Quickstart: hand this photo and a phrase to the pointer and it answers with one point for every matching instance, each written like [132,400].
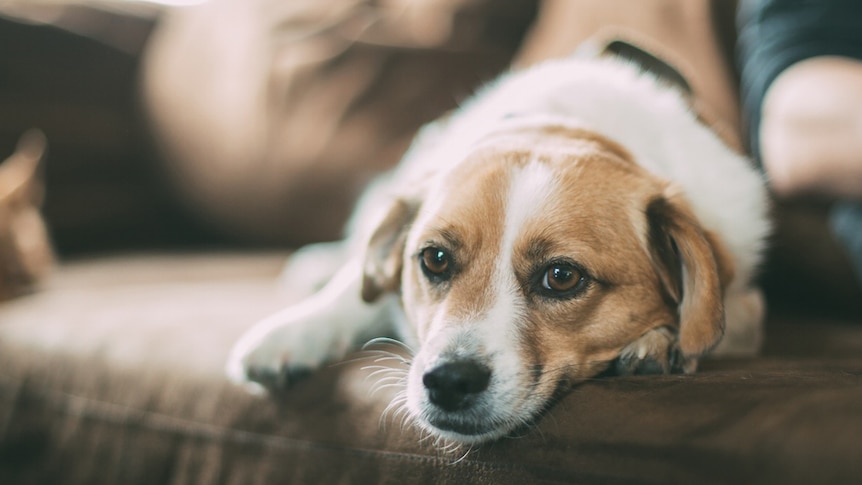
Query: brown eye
[435,261]
[561,277]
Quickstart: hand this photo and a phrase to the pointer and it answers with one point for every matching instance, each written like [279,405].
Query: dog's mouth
[481,424]
[468,431]
[477,430]
[462,426]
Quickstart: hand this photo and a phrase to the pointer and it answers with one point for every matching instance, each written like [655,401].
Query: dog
[570,220]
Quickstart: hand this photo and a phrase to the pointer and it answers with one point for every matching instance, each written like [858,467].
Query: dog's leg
[744,312]
[309,268]
[300,338]
[655,352]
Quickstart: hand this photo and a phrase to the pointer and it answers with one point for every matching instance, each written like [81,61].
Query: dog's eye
[562,278]
[435,262]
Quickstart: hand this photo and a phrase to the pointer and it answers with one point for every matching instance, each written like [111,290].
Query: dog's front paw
[263,372]
[271,358]
[655,352]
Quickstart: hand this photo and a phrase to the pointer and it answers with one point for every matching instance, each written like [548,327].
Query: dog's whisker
[385,387]
[396,358]
[381,379]
[372,358]
[381,376]
[400,417]
[425,436]
[403,414]
[386,353]
[388,382]
[390,385]
[383,370]
[394,408]
[391,407]
[391,363]
[375,377]
[376,368]
[463,456]
[451,447]
[388,341]
[405,419]
[375,365]
[393,377]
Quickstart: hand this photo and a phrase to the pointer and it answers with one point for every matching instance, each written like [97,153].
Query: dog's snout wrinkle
[453,385]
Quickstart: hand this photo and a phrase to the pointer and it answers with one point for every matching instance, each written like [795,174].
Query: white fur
[496,331]
[609,97]
[651,121]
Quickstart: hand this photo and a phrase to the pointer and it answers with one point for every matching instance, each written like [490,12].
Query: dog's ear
[382,266]
[693,269]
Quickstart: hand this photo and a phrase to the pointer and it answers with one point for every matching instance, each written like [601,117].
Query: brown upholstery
[113,374]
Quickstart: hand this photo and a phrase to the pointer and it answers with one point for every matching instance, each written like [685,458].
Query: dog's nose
[451,386]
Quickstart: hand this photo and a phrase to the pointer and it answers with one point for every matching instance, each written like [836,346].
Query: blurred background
[193,124]
[230,123]
[71,70]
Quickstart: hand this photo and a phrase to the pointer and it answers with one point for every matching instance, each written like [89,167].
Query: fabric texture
[113,374]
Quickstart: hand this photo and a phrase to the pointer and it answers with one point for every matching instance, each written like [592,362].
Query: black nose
[452,386]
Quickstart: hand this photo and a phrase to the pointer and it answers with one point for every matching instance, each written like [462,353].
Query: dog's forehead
[576,189]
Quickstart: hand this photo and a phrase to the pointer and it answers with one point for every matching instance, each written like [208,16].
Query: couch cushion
[113,374]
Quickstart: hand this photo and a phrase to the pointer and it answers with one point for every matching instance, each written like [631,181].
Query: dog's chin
[472,427]
[463,431]
[479,424]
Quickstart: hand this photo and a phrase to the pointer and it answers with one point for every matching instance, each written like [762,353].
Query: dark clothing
[775,34]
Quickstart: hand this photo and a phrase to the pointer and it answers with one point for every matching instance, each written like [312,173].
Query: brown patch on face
[593,219]
[467,224]
[592,225]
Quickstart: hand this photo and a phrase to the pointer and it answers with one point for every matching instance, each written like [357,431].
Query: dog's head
[529,266]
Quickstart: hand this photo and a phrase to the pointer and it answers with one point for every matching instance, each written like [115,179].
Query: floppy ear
[693,269]
[382,266]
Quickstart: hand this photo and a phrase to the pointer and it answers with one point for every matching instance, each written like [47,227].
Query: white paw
[299,339]
[276,352]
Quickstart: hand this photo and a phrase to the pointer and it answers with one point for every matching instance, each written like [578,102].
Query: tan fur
[529,252]
[478,203]
[576,338]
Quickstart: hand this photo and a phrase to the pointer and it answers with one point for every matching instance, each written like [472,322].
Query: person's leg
[801,86]
[801,66]
[811,129]
[688,35]
[273,115]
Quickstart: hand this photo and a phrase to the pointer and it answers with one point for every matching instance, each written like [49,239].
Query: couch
[111,367]
[113,373]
